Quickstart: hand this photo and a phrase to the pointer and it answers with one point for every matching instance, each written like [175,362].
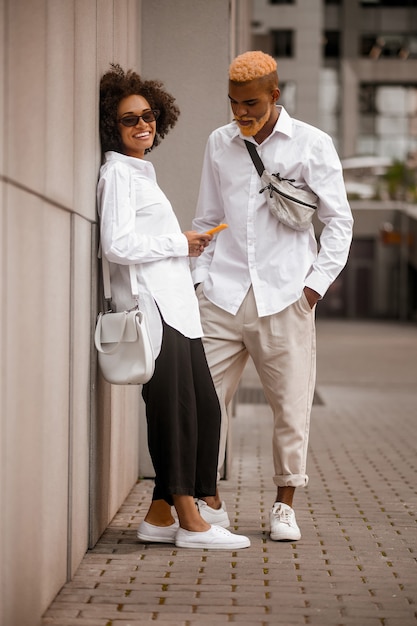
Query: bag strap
[132,268]
[106,279]
[257,161]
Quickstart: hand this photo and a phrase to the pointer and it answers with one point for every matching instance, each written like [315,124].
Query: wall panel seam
[70,401]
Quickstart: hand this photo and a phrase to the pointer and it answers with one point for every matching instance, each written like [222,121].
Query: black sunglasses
[133,120]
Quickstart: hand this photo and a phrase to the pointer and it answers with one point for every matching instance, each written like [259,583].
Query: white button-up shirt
[138,226]
[256,249]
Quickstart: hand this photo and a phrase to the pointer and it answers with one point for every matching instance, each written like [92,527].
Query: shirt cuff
[199,275]
[318,283]
[180,245]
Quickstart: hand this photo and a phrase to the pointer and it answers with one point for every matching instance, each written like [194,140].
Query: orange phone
[217,229]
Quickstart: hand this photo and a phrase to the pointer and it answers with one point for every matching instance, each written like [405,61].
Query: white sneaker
[218,517]
[283,524]
[157,534]
[216,538]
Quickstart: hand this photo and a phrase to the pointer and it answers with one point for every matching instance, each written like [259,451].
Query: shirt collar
[139,164]
[283,125]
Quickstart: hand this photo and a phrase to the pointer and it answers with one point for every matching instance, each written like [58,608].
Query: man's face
[253,106]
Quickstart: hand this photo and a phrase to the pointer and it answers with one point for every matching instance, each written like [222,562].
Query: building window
[401,45]
[329,102]
[388,120]
[331,44]
[281,1]
[282,43]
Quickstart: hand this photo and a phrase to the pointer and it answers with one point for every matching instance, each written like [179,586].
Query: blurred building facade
[350,68]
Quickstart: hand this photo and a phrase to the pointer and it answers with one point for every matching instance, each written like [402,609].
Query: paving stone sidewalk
[356,562]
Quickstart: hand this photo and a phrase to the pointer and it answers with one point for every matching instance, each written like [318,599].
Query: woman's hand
[197,242]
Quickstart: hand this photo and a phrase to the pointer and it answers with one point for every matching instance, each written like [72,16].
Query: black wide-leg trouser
[183,417]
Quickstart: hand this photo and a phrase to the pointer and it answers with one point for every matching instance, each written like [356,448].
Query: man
[258,282]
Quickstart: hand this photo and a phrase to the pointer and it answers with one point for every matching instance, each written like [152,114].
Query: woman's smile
[142,135]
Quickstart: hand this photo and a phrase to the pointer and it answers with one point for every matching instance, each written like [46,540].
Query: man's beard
[255,126]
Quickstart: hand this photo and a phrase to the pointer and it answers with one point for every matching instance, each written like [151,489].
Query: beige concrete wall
[52,424]
[192,40]
[70,443]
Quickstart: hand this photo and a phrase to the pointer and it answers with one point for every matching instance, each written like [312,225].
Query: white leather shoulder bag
[125,353]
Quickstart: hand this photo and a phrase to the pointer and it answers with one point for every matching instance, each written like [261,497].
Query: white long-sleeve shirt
[138,226]
[256,249]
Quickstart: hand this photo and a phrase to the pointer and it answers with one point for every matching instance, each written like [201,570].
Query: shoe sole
[153,539]
[281,538]
[213,546]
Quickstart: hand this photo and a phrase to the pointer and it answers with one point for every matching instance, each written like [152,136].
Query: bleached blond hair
[251,65]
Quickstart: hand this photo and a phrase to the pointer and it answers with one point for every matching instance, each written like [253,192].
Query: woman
[138,226]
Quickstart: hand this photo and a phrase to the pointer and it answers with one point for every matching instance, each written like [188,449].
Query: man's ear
[275,95]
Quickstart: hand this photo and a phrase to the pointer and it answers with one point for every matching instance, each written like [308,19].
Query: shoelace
[284,515]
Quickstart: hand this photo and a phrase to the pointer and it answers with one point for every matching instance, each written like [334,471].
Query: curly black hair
[117,84]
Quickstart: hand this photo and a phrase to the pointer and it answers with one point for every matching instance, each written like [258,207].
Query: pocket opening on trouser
[304,303]
[199,289]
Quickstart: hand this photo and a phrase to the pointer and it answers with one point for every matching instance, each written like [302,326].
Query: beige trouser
[283,349]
